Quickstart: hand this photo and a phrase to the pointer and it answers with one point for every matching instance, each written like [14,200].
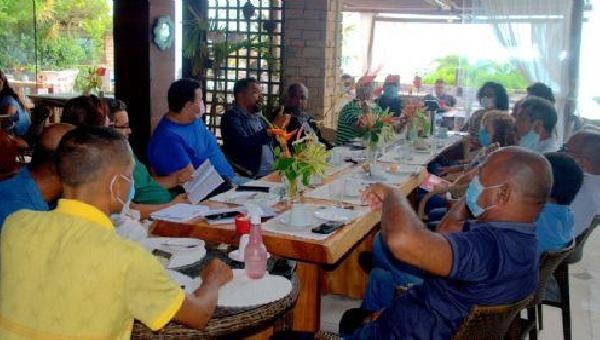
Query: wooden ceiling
[407,6]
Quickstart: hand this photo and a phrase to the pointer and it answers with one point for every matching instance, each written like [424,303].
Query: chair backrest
[580,240]
[549,261]
[490,322]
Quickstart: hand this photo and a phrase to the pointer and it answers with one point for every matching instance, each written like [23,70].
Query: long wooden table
[323,266]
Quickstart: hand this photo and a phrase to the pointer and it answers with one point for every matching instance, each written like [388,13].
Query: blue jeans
[386,275]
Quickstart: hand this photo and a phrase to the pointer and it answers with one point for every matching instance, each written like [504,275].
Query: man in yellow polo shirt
[66,274]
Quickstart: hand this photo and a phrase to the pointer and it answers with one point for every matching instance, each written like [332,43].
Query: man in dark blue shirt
[494,262]
[247,138]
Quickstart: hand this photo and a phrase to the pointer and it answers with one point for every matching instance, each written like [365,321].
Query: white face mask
[130,193]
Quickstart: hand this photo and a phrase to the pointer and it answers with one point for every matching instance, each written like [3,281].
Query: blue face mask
[530,141]
[472,196]
[484,137]
[131,194]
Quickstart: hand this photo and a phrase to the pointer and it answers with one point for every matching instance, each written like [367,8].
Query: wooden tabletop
[327,251]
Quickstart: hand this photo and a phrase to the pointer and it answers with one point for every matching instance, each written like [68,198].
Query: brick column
[162,64]
[312,52]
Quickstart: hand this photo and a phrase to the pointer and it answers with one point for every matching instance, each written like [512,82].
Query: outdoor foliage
[476,74]
[70,33]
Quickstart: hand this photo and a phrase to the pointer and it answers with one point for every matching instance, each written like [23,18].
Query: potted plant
[307,158]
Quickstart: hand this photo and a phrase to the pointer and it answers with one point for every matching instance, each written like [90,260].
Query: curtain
[536,34]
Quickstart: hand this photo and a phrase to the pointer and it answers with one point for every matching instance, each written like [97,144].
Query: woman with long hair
[13,113]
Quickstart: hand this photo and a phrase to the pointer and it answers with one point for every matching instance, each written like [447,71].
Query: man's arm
[409,240]
[232,130]
[454,219]
[197,309]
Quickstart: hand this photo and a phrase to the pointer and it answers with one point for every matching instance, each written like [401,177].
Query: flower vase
[372,149]
[291,187]
[411,130]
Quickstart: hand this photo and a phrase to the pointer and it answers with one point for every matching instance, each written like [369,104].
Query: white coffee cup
[337,155]
[300,215]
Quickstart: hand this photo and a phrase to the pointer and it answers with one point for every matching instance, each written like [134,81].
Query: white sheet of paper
[180,212]
[205,180]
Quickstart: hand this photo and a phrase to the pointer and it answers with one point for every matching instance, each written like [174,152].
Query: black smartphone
[222,216]
[251,188]
[327,227]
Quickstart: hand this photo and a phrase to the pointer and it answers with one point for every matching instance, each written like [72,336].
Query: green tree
[70,32]
[476,74]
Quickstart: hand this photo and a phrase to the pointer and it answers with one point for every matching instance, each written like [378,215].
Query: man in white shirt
[584,147]
[536,121]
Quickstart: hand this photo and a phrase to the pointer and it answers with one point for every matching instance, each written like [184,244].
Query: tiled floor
[585,301]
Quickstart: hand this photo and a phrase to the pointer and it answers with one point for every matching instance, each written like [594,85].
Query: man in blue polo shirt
[494,262]
[35,186]
[181,138]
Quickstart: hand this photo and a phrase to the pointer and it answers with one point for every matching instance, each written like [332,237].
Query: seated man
[95,283]
[554,226]
[296,101]
[8,156]
[35,186]
[492,261]
[348,119]
[247,138]
[181,139]
[390,98]
[584,147]
[148,190]
[536,121]
[446,101]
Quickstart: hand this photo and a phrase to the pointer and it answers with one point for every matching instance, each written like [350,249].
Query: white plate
[336,214]
[423,151]
[285,219]
[245,292]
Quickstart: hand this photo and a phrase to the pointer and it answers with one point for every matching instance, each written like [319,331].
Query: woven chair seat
[489,322]
[224,321]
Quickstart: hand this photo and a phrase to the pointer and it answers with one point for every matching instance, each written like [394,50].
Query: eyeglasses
[119,127]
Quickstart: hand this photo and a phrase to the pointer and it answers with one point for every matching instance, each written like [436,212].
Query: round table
[225,321]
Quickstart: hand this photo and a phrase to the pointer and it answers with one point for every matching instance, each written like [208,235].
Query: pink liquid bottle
[255,254]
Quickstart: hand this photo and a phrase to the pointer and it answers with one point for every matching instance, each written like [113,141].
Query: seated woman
[491,96]
[17,118]
[497,130]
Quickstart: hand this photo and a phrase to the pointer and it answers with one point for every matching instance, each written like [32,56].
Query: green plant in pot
[308,158]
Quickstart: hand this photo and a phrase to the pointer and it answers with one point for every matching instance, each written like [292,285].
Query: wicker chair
[489,322]
[226,321]
[549,261]
[562,278]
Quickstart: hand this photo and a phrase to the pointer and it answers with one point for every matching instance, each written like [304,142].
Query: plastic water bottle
[255,254]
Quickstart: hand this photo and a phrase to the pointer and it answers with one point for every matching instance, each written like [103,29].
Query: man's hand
[181,198]
[282,119]
[454,219]
[375,194]
[216,272]
[184,175]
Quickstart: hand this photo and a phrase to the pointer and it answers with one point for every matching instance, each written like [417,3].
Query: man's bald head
[584,146]
[87,153]
[520,182]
